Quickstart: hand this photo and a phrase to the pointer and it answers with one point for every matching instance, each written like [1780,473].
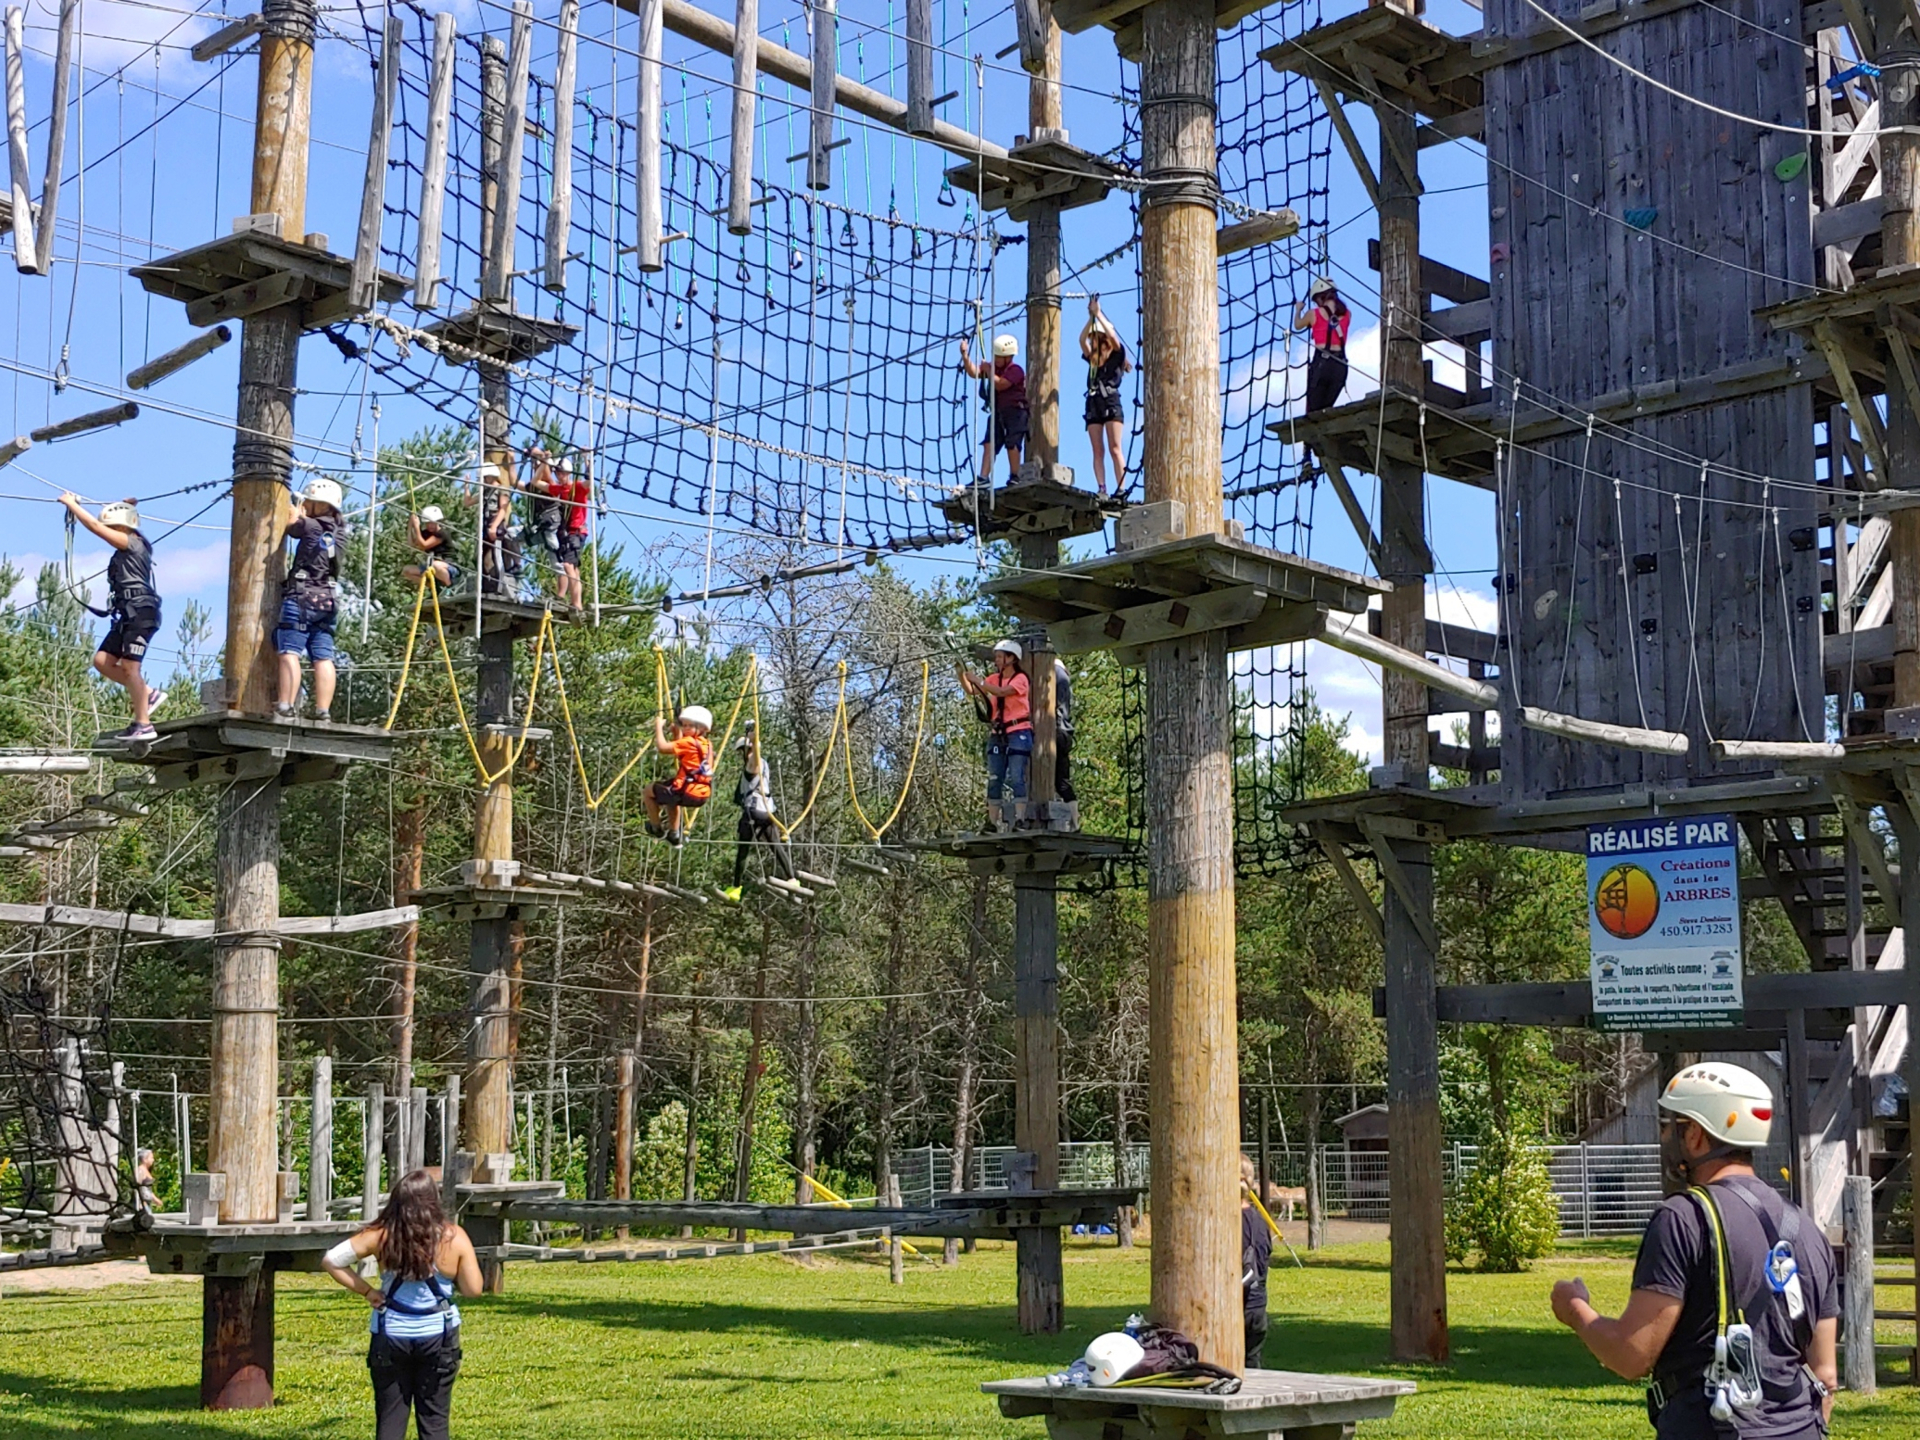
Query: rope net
[60,1120]
[798,382]
[1274,144]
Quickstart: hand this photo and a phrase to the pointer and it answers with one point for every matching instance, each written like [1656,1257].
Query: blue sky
[158,161]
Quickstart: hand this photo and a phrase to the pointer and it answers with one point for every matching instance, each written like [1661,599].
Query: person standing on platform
[573,495]
[135,608]
[1106,361]
[754,795]
[310,602]
[500,552]
[414,1355]
[1004,388]
[146,1195]
[1734,1313]
[1329,319]
[1007,693]
[1256,1254]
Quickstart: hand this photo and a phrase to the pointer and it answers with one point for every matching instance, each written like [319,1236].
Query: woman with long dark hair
[1327,316]
[414,1355]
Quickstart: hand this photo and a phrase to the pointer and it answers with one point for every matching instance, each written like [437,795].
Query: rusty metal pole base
[236,1341]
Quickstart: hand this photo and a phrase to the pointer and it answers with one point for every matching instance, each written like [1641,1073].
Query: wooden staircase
[1806,870]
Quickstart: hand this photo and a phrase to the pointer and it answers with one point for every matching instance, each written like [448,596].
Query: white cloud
[1276,380]
[198,572]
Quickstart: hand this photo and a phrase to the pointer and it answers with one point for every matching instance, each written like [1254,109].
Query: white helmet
[120,512]
[431,515]
[1111,1356]
[1320,286]
[1005,346]
[491,475]
[1010,647]
[325,491]
[1730,1103]
[696,715]
[563,466]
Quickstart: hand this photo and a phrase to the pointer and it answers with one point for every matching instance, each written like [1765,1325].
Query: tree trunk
[972,1002]
[410,836]
[750,1077]
[1123,1223]
[885,1101]
[1316,1182]
[553,1043]
[690,1180]
[806,1059]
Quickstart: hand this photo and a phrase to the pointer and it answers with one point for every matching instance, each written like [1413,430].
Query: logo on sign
[1626,902]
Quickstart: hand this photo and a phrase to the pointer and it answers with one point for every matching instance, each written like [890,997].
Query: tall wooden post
[491,949]
[623,1073]
[320,1141]
[1194,1067]
[1044,116]
[1415,1201]
[236,1360]
[1036,1125]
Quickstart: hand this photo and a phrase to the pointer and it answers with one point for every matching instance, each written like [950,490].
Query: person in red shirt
[1007,693]
[1004,388]
[573,495]
[1327,316]
[692,784]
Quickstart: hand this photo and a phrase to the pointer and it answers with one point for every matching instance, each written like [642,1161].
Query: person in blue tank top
[414,1355]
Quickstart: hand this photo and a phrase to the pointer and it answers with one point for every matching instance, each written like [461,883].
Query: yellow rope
[406,663]
[906,785]
[514,747]
[833,734]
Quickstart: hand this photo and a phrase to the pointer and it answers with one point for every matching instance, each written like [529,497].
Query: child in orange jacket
[692,785]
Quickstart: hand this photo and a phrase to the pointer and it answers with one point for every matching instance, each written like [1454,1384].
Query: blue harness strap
[442,1303]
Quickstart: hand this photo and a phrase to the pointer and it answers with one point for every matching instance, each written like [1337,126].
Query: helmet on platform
[1111,1356]
[432,515]
[1729,1102]
[325,492]
[120,513]
[1320,286]
[696,715]
[1010,647]
[1005,347]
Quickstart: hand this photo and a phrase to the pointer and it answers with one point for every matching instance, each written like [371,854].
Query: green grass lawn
[768,1346]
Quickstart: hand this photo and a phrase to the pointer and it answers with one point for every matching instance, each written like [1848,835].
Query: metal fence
[1603,1189]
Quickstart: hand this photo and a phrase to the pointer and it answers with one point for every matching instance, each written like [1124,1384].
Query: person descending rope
[414,1354]
[427,532]
[1003,388]
[573,496]
[1010,738]
[134,608]
[1327,316]
[692,785]
[1734,1311]
[753,793]
[1106,361]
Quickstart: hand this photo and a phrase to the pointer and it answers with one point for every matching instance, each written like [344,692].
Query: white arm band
[341,1256]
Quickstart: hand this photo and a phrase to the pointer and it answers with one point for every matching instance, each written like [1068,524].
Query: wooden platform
[1270,1405]
[493,332]
[488,902]
[244,274]
[521,619]
[221,746]
[1123,18]
[982,1216]
[1384,51]
[173,1247]
[1459,443]
[1128,600]
[1036,170]
[1029,507]
[1869,337]
[1027,852]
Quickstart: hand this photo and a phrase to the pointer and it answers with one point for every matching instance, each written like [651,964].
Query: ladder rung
[1893,1314]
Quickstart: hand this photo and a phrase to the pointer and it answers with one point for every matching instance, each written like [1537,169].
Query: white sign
[1663,915]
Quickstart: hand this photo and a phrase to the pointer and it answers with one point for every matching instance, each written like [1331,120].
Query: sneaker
[658,832]
[322,717]
[676,839]
[137,732]
[730,893]
[285,714]
[155,699]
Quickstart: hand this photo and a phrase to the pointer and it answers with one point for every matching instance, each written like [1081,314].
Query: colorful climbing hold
[1791,167]
[1642,216]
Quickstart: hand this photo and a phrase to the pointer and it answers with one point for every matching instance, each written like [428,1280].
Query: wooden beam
[433,179]
[1262,229]
[1872,853]
[75,917]
[1343,127]
[1442,280]
[1349,502]
[649,231]
[1657,742]
[248,298]
[365,286]
[497,274]
[1357,641]
[558,232]
[25,257]
[1863,415]
[1404,153]
[1901,348]
[1355,887]
[227,37]
[1396,877]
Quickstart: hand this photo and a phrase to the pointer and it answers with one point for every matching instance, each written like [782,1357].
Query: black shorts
[127,637]
[665,792]
[1007,432]
[1100,412]
[572,542]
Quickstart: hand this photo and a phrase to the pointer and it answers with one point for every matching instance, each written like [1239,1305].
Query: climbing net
[1275,146]
[60,1122]
[798,382]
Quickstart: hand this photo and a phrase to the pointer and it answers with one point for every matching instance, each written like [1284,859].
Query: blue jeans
[304,629]
[1008,758]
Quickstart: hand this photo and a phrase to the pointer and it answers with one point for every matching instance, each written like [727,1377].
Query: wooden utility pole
[236,1363]
[1416,1204]
[1193,1077]
[1044,121]
[623,1129]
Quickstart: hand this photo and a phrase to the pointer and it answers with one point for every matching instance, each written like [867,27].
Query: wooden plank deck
[1028,507]
[491,331]
[241,274]
[1046,169]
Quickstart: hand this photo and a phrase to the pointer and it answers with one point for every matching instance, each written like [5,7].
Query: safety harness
[1734,1380]
[442,1304]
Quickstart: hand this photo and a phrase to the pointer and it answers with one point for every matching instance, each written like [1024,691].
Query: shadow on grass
[90,1408]
[1502,1355]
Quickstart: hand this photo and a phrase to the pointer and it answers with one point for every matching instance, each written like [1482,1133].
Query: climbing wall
[1633,235]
